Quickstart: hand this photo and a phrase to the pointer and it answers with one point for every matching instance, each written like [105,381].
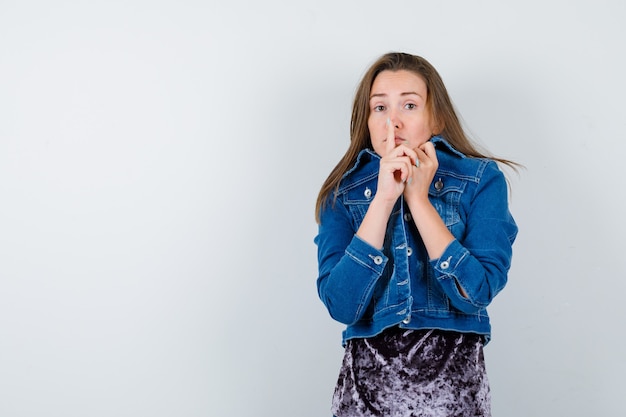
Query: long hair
[438,104]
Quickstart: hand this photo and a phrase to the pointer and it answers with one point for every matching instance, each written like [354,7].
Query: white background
[159,164]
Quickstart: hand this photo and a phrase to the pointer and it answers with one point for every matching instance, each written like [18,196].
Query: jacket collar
[442,144]
[368,155]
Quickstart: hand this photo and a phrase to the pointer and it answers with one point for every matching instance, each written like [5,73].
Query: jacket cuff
[366,255]
[450,260]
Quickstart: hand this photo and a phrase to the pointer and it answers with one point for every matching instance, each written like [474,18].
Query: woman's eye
[410,106]
[379,108]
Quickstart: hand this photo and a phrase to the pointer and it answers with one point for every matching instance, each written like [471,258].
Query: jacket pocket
[357,198]
[445,195]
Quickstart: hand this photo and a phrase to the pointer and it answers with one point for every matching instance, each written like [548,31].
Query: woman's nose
[396,122]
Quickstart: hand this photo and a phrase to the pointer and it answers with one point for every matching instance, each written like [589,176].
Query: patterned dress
[403,373]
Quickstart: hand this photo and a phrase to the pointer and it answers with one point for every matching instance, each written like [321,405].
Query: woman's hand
[396,168]
[394,173]
[422,173]
[435,234]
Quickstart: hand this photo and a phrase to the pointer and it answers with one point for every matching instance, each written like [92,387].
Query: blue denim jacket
[370,290]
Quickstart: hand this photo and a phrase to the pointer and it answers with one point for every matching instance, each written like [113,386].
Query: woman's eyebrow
[407,93]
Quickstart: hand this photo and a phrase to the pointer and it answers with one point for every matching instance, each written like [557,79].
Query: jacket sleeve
[348,266]
[479,261]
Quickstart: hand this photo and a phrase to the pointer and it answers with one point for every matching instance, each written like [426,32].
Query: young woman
[415,240]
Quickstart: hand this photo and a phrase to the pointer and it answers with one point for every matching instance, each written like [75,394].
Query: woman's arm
[473,268]
[349,267]
[350,262]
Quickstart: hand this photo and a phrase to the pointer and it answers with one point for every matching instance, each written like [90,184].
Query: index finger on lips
[391,136]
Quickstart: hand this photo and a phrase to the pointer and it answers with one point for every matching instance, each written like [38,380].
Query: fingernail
[410,180]
[388,121]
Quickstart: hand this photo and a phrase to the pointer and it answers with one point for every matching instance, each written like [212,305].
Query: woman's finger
[391,137]
[398,165]
[429,149]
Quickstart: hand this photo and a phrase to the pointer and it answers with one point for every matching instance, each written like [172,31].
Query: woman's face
[399,96]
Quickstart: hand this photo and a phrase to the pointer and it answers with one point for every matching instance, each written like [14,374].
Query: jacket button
[409,251]
[444,265]
[407,217]
[407,320]
[439,185]
[367,193]
[378,260]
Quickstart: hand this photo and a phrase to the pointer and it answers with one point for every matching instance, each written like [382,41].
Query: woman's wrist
[374,224]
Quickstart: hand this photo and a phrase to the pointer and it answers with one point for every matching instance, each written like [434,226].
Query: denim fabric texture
[370,290]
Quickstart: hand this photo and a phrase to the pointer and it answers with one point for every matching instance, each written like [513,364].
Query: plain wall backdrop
[159,165]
